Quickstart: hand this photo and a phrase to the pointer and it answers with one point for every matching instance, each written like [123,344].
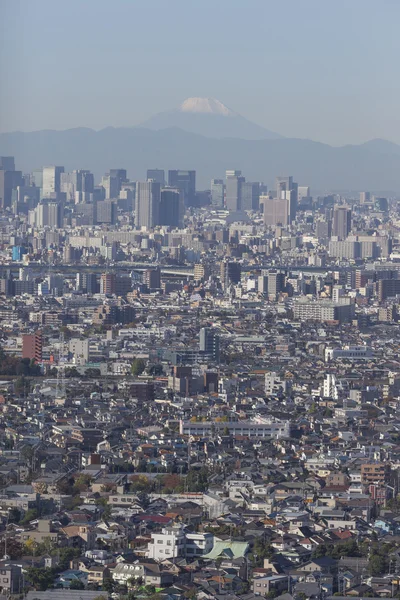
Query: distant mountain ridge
[211,118]
[373,166]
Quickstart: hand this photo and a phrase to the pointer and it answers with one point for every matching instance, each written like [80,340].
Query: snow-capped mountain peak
[206,106]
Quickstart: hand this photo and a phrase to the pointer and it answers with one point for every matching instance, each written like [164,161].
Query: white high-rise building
[51,180]
[330,388]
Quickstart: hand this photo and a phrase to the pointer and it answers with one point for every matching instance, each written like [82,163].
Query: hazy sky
[322,69]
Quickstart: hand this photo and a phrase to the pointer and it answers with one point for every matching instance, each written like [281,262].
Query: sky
[326,70]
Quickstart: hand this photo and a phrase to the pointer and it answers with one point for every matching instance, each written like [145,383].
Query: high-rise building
[287,189]
[250,195]
[201,272]
[276,210]
[77,181]
[341,225]
[7,163]
[106,212]
[217,193]
[186,182]
[209,342]
[148,197]
[365,197]
[157,175]
[51,180]
[303,191]
[152,278]
[119,176]
[32,345]
[276,283]
[230,273]
[87,283]
[108,283]
[171,208]
[234,181]
[37,178]
[9,181]
[48,214]
[110,184]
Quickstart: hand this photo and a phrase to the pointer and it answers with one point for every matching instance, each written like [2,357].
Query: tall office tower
[110,183]
[209,342]
[77,181]
[108,283]
[287,189]
[106,212]
[171,208]
[37,178]
[230,273]
[186,182]
[7,163]
[303,191]
[234,182]
[276,210]
[121,177]
[9,181]
[152,278]
[276,283]
[148,196]
[87,283]
[341,225]
[217,193]
[365,197]
[157,175]
[51,180]
[250,195]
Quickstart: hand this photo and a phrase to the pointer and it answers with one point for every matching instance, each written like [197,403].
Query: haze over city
[319,70]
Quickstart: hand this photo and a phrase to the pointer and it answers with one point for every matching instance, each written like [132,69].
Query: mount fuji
[210,118]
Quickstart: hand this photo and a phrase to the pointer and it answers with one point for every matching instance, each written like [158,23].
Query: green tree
[138,366]
[21,386]
[108,585]
[30,515]
[377,565]
[40,578]
[76,584]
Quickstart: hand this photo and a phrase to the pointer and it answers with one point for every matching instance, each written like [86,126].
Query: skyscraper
[250,195]
[287,189]
[157,175]
[7,163]
[341,224]
[276,210]
[9,181]
[209,342]
[365,197]
[234,181]
[230,273]
[217,193]
[77,185]
[186,182]
[171,207]
[148,196]
[276,283]
[51,180]
[111,186]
